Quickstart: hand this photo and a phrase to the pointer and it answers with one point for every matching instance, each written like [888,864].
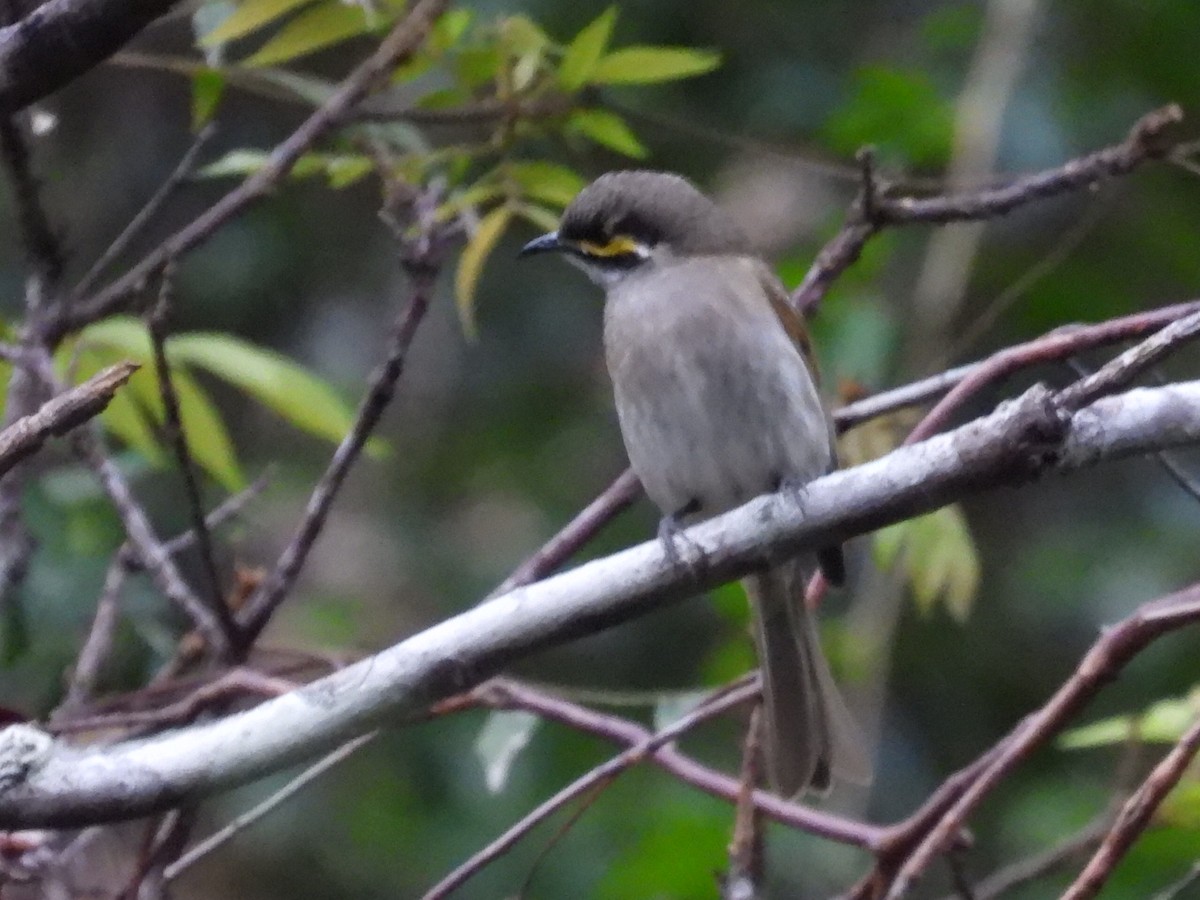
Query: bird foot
[682,551]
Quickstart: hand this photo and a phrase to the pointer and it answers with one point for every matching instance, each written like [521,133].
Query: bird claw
[796,491]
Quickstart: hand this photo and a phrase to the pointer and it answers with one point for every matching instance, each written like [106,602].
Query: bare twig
[746,847]
[1111,652]
[399,44]
[156,202]
[244,820]
[615,498]
[643,745]
[1135,816]
[1149,139]
[258,609]
[233,684]
[156,324]
[66,411]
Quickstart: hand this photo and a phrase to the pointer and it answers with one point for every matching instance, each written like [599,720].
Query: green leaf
[476,66]
[126,416]
[938,556]
[546,181]
[585,50]
[1163,723]
[249,16]
[208,86]
[345,169]
[207,440]
[470,264]
[900,112]
[274,380]
[522,35]
[648,65]
[328,23]
[240,163]
[449,29]
[606,129]
[504,735]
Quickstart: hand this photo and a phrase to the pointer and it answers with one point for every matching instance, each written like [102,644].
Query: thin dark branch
[62,39]
[145,214]
[401,42]
[43,250]
[156,324]
[746,846]
[1135,815]
[1111,652]
[259,608]
[1149,139]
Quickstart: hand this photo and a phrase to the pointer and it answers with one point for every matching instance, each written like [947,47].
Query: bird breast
[716,403]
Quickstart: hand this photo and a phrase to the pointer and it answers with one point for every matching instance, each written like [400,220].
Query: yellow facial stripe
[621,245]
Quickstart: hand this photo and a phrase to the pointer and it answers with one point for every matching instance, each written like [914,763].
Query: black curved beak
[545,244]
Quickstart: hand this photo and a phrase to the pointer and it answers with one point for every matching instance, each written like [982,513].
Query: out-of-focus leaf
[274,380]
[525,70]
[250,15]
[671,708]
[449,29]
[476,66]
[309,88]
[647,65]
[240,163]
[546,181]
[1181,807]
[938,556]
[345,169]
[607,129]
[470,264]
[503,736]
[585,50]
[207,440]
[545,219]
[125,416]
[328,23]
[522,35]
[204,19]
[208,86]
[896,111]
[1163,723]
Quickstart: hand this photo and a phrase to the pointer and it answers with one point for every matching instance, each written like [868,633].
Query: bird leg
[672,535]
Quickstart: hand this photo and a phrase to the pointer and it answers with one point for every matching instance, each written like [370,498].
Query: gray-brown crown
[654,208]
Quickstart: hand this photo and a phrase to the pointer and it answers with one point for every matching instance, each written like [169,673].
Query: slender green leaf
[1163,723]
[449,29]
[274,380]
[240,163]
[345,169]
[608,130]
[249,16]
[470,264]
[208,86]
[585,50]
[546,181]
[328,23]
[125,417]
[647,65]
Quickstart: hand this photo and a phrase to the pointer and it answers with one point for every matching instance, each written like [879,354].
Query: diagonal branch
[1025,439]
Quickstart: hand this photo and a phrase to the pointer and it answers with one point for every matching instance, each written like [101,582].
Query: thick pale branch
[1024,439]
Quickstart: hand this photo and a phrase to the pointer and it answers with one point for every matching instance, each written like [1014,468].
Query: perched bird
[717,400]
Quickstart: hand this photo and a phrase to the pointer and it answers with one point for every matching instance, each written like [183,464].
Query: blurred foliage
[495,443]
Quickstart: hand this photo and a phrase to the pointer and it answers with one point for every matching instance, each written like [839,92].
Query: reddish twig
[1111,652]
[1135,816]
[641,745]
